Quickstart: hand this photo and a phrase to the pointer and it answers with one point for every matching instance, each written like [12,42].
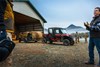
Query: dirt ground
[47,55]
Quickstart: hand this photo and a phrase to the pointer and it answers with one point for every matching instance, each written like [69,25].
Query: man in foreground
[94,29]
[6,13]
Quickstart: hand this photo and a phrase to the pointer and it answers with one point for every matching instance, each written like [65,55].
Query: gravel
[47,55]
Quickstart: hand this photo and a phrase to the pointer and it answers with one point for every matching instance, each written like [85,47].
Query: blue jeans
[92,43]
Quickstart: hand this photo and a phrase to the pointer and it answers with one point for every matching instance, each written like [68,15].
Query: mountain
[72,29]
[72,26]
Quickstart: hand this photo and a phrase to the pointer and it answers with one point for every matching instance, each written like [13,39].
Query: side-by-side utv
[56,34]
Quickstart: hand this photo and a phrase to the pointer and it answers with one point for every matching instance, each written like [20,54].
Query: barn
[27,18]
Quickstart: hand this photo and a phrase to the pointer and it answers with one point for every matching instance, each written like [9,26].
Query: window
[63,31]
[57,32]
[50,31]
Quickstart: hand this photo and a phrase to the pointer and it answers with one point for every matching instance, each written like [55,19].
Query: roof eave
[36,11]
[31,5]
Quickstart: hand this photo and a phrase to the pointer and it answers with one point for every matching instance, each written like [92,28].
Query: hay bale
[37,35]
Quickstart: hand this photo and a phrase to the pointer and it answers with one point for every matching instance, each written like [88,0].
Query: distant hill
[72,29]
[72,26]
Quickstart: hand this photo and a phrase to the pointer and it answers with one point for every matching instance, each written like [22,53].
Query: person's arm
[95,28]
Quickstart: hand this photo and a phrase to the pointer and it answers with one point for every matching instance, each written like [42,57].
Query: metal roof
[32,6]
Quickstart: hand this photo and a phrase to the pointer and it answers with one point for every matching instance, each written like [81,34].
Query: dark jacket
[95,27]
[3,5]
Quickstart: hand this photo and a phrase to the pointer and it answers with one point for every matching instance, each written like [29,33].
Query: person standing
[6,22]
[86,37]
[94,36]
[77,38]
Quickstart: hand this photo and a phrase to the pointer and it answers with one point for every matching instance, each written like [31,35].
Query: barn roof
[32,6]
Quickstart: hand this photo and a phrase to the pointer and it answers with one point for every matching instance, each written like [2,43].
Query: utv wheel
[44,40]
[66,42]
[71,41]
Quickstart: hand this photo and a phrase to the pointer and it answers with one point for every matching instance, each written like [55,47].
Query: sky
[62,13]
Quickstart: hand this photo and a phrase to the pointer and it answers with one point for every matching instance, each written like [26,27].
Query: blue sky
[62,13]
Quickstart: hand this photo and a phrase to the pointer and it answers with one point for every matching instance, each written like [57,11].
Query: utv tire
[66,42]
[71,41]
[44,40]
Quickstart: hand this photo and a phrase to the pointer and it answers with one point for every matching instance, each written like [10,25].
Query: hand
[87,25]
